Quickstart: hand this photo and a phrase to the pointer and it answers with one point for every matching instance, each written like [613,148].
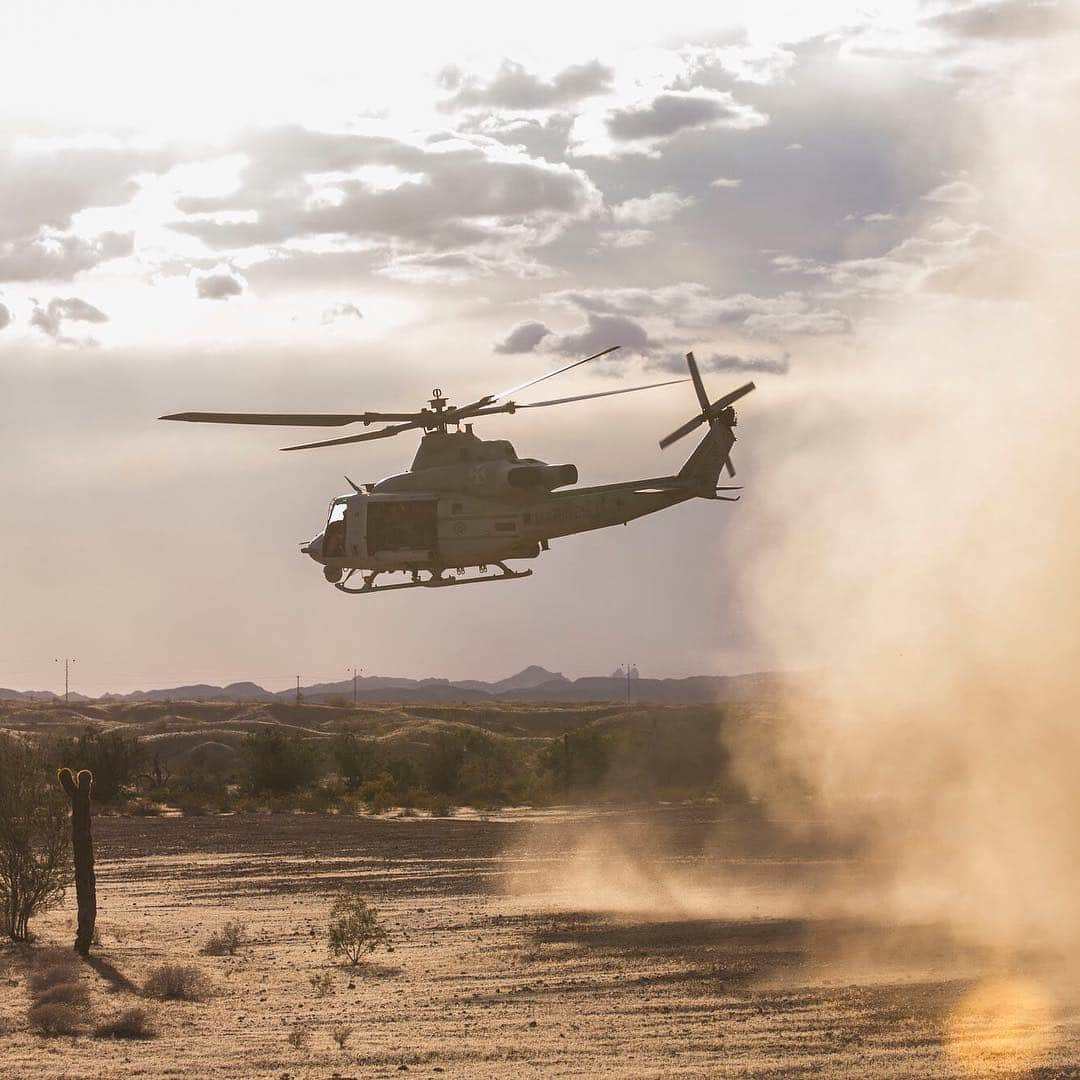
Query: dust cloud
[915,548]
[925,562]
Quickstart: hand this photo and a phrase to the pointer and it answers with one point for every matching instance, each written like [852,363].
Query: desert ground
[662,942]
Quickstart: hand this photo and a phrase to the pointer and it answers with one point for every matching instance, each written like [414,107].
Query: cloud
[955,191]
[602,331]
[721,362]
[446,197]
[55,256]
[5,317]
[1002,21]
[725,182]
[513,87]
[218,286]
[523,338]
[341,310]
[673,111]
[44,182]
[691,305]
[50,318]
[650,210]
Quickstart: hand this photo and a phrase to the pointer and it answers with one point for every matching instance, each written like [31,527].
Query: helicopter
[468,502]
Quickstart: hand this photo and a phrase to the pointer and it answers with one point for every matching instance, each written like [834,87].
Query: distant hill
[532,684]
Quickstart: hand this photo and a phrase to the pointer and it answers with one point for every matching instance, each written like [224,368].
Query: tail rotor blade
[699,386]
[679,432]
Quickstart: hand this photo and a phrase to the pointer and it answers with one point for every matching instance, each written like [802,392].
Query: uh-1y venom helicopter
[471,502]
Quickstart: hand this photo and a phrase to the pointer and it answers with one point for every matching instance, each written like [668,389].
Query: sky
[232,207]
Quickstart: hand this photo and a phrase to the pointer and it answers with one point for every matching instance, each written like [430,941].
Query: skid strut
[438,579]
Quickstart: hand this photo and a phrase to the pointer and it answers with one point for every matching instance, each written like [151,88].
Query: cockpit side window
[334,536]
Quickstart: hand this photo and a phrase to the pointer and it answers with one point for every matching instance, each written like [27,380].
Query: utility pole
[297,689]
[67,660]
[628,682]
[354,670]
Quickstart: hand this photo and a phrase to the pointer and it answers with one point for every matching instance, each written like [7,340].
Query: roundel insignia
[459,528]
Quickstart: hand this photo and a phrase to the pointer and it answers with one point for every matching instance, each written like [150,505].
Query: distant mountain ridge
[533,683]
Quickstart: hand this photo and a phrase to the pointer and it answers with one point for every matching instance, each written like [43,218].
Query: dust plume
[925,518]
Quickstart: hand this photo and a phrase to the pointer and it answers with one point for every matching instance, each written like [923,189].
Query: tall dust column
[922,558]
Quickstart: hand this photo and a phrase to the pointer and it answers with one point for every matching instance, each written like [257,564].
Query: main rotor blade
[679,432]
[699,386]
[289,419]
[489,399]
[602,393]
[367,436]
[720,404]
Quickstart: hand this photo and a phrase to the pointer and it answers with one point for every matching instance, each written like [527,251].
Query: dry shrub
[57,971]
[65,993]
[227,940]
[130,1024]
[299,1035]
[54,1020]
[341,1034]
[322,983]
[177,982]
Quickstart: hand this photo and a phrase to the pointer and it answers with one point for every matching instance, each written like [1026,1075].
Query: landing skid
[436,580]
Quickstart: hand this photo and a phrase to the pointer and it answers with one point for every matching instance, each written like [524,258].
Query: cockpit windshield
[334,536]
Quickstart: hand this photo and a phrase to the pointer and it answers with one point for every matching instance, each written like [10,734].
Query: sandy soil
[529,945]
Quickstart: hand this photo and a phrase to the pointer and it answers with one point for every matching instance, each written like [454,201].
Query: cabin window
[406,524]
[506,526]
[526,519]
[455,508]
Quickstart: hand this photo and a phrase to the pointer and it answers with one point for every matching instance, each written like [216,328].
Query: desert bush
[52,973]
[277,762]
[379,794]
[54,1019]
[355,759]
[130,1024]
[114,757]
[442,806]
[64,993]
[355,928]
[35,843]
[227,940]
[299,1035]
[341,1034]
[322,983]
[577,760]
[177,982]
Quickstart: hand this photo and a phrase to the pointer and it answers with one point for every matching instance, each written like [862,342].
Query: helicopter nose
[313,547]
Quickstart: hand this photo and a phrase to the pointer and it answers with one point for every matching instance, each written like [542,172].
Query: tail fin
[702,468]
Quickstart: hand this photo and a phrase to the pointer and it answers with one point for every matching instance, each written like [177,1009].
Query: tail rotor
[716,414]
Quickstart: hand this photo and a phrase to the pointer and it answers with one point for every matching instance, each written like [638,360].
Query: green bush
[277,762]
[355,928]
[114,757]
[35,837]
[355,759]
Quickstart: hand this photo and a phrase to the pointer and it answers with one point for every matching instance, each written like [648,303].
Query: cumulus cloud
[218,286]
[5,317]
[727,362]
[725,182]
[674,111]
[646,125]
[50,318]
[602,331]
[523,338]
[55,256]
[43,183]
[341,310]
[514,87]
[449,196]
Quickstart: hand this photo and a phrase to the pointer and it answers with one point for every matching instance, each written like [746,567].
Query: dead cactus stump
[78,791]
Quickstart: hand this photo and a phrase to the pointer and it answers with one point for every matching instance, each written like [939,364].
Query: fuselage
[469,502]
